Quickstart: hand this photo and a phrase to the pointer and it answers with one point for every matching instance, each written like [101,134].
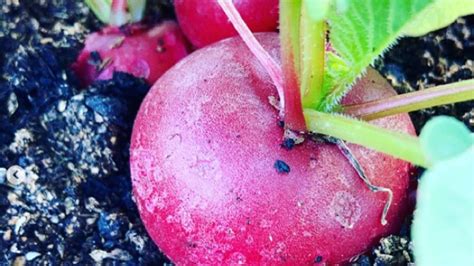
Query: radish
[204,22]
[135,49]
[217,176]
[203,154]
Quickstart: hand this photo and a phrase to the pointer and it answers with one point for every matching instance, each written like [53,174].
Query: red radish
[145,53]
[204,22]
[203,154]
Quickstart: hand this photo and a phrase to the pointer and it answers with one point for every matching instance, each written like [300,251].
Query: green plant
[359,32]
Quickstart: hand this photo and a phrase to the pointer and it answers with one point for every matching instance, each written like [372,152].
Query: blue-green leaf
[443,228]
[443,138]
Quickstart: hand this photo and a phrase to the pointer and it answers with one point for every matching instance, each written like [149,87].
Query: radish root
[345,150]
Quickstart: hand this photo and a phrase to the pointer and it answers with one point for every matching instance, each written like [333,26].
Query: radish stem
[119,15]
[313,44]
[396,144]
[413,101]
[101,9]
[136,9]
[290,13]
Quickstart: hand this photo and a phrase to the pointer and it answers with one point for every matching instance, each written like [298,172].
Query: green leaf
[443,227]
[136,9]
[367,29]
[101,9]
[444,137]
[438,15]
[335,70]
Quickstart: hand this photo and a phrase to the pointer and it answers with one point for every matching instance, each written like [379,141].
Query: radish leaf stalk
[313,45]
[359,132]
[290,12]
[413,101]
[136,9]
[101,9]
[119,15]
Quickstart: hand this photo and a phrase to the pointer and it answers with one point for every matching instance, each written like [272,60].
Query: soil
[65,191]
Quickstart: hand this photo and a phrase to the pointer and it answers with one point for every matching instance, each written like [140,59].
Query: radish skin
[204,22]
[144,53]
[203,151]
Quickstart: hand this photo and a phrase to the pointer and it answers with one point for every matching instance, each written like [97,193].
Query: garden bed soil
[65,190]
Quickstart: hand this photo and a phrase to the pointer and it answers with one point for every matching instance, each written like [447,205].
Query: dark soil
[65,191]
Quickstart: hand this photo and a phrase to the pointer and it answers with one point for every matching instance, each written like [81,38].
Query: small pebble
[32,255]
[3,175]
[12,104]
[62,106]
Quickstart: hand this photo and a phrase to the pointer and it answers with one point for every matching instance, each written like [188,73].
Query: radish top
[358,33]
[327,45]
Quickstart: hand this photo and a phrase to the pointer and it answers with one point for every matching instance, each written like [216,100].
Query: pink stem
[294,118]
[413,101]
[265,59]
[119,5]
